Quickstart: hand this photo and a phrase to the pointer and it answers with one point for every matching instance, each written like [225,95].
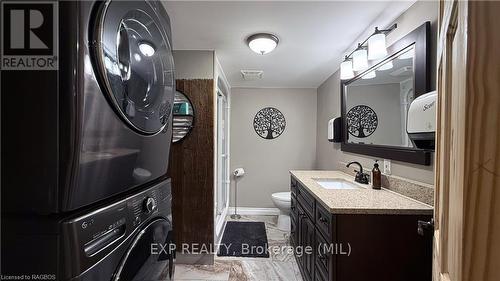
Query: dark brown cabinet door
[299,235]
[307,242]
[319,275]
[294,222]
[324,258]
[293,231]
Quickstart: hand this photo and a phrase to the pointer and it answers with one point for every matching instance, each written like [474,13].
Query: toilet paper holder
[238,172]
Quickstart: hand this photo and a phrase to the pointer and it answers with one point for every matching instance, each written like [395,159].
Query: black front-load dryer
[98,126]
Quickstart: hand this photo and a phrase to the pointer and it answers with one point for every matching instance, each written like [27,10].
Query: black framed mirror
[375,102]
[183,117]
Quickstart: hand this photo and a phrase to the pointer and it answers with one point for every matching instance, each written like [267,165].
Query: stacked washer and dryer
[85,194]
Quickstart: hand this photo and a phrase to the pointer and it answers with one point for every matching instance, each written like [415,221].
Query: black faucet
[360,176]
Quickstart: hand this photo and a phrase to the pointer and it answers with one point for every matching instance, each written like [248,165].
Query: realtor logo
[29,35]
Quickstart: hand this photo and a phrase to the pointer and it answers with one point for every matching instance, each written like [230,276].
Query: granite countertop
[363,200]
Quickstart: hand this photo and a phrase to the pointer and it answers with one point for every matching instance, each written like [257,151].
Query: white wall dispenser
[421,121]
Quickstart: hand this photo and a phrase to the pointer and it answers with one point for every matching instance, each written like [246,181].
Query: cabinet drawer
[306,200]
[324,221]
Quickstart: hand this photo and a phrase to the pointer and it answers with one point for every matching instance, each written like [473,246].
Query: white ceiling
[313,35]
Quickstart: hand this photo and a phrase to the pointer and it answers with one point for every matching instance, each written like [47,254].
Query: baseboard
[204,259]
[255,211]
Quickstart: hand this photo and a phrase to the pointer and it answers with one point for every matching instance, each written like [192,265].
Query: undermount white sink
[336,184]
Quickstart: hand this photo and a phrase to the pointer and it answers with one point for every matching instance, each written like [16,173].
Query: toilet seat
[282,196]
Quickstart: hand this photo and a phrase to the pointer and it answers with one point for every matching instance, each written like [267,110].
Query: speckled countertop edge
[358,201]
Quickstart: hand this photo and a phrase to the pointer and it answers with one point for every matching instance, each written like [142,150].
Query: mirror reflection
[183,117]
[377,103]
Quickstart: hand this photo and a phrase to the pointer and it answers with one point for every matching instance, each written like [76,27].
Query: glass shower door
[223,182]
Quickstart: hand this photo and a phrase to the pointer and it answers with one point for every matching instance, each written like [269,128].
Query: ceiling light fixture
[262,43]
[372,48]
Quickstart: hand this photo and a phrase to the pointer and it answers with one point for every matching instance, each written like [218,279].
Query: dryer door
[134,59]
[149,256]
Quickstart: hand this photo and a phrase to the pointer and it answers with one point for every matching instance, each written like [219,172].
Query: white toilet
[282,200]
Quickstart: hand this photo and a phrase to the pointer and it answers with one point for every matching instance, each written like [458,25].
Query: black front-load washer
[129,239]
[98,126]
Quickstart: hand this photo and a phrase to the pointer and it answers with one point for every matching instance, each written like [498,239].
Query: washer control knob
[149,204]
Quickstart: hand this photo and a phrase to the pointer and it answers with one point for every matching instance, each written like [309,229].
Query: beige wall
[193,64]
[267,162]
[329,155]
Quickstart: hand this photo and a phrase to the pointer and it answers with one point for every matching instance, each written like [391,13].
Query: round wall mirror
[183,117]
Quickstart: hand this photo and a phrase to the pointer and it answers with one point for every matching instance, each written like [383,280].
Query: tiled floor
[281,264]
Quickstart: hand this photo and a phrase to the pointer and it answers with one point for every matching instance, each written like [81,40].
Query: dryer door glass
[135,61]
[150,257]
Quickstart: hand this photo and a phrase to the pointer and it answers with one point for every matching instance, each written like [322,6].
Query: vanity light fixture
[346,71]
[376,45]
[372,48]
[262,43]
[360,59]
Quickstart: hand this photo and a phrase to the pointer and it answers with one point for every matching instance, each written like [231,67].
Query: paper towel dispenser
[335,130]
[421,121]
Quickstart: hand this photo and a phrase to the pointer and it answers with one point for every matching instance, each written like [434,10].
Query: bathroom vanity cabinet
[359,245]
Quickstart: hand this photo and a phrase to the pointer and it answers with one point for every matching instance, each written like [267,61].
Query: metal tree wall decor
[269,123]
[362,121]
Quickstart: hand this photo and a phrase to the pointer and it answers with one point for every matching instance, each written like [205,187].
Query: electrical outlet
[387,167]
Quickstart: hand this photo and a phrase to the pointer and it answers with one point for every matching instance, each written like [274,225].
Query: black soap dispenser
[376,176]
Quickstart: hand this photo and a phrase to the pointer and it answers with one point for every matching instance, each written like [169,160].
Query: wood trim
[192,169]
[482,144]
[420,37]
[410,155]
[467,236]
